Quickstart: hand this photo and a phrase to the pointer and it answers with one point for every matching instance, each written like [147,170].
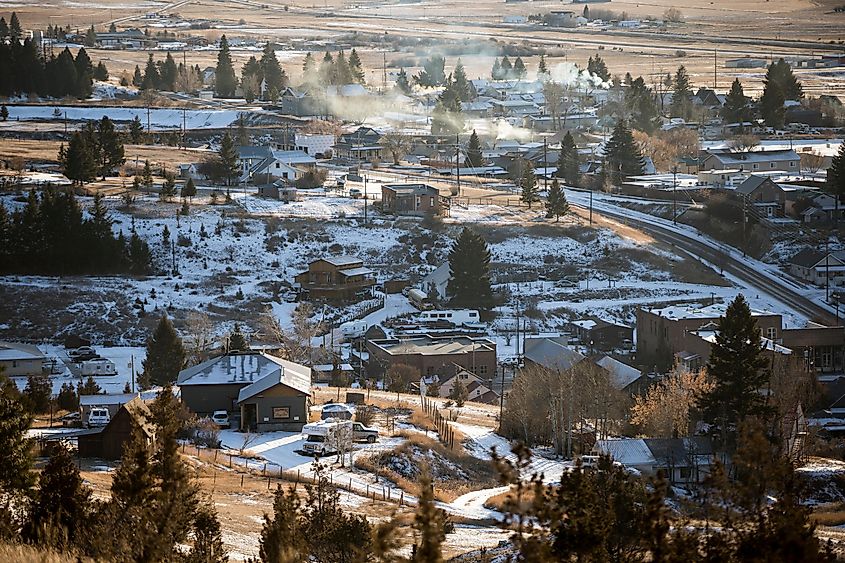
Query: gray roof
[117,399]
[727,157]
[550,354]
[342,260]
[14,351]
[680,452]
[253,152]
[807,258]
[414,189]
[294,157]
[750,184]
[356,272]
[621,374]
[627,451]
[295,376]
[238,369]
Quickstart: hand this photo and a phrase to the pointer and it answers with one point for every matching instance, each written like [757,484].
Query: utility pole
[458,161]
[591,206]
[827,270]
[365,199]
[546,167]
[148,119]
[714,69]
[675,194]
[744,220]
[502,398]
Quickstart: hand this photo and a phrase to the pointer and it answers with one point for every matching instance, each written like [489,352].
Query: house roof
[10,351]
[679,451]
[342,260]
[254,152]
[692,311]
[297,379]
[118,399]
[140,414]
[627,451]
[435,346]
[550,354]
[439,275]
[807,258]
[751,183]
[239,369]
[412,189]
[356,272]
[621,374]
[730,158]
[293,157]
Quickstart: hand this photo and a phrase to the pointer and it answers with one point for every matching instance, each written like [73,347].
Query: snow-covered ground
[159,118]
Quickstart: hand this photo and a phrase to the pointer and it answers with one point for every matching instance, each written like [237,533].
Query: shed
[278,401]
[108,442]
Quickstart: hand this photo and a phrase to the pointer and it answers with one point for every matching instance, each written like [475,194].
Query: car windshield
[316,438]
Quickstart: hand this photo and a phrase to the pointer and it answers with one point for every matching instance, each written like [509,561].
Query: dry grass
[28,554]
[502,500]
[829,515]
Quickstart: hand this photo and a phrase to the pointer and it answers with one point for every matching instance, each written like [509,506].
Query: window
[755,166]
[278,165]
[482,370]
[419,199]
[685,472]
[771,165]
[432,203]
[771,333]
[792,164]
[281,413]
[827,359]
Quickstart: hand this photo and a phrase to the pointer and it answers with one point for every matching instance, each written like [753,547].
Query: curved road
[788,292]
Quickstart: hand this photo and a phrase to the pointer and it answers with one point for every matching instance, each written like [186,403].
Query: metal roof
[295,376]
[550,354]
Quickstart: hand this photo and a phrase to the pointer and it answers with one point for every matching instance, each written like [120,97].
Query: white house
[20,360]
[313,144]
[265,163]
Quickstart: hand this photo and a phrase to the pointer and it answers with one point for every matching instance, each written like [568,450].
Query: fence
[275,474]
[444,429]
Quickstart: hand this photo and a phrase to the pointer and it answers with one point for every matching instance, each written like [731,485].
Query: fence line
[444,429]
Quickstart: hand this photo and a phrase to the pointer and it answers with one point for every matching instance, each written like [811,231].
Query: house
[325,373]
[299,104]
[623,377]
[551,354]
[126,39]
[336,278]
[264,163]
[107,442]
[279,190]
[746,62]
[110,402]
[821,208]
[767,197]
[681,460]
[671,331]
[786,160]
[313,144]
[599,334]
[708,98]
[434,355]
[362,144]
[209,74]
[817,267]
[278,401]
[434,283]
[478,390]
[562,18]
[822,347]
[189,170]
[220,384]
[410,199]
[21,360]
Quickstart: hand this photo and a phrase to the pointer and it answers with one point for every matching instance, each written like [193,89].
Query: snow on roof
[627,451]
[342,260]
[330,367]
[10,351]
[586,324]
[727,156]
[693,311]
[622,375]
[294,157]
[295,376]
[356,272]
[237,369]
[117,399]
[550,354]
[429,345]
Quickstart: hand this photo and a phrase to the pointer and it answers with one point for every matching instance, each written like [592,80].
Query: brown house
[431,355]
[766,196]
[337,278]
[410,199]
[108,442]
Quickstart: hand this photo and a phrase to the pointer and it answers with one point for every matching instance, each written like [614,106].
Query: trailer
[98,366]
[323,438]
[459,317]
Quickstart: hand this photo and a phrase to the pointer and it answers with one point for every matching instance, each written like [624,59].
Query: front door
[249,418]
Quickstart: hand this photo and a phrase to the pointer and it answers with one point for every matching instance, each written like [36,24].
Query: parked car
[99,416]
[83,353]
[72,420]
[221,419]
[337,411]
[341,182]
[361,433]
[355,193]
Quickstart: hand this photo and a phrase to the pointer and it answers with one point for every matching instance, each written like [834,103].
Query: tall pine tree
[568,163]
[736,108]
[165,354]
[474,158]
[556,204]
[469,272]
[681,95]
[225,81]
[622,154]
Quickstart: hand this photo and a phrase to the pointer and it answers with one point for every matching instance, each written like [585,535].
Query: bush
[204,432]
[365,414]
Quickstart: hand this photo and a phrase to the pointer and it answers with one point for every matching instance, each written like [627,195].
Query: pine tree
[91,387]
[15,30]
[4,29]
[542,69]
[282,539]
[327,72]
[90,37]
[16,475]
[779,85]
[165,354]
[735,109]
[459,392]
[271,70]
[530,193]
[738,369]
[79,161]
[641,104]
[781,73]
[189,190]
[474,158]
[84,74]
[168,187]
[309,67]
[355,67]
[402,82]
[469,272]
[460,82]
[67,399]
[506,68]
[136,131]
[168,74]
[519,70]
[432,524]
[228,156]
[496,73]
[110,147]
[137,78]
[623,154]
[4,112]
[37,393]
[835,182]
[447,117]
[568,163]
[208,539]
[237,341]
[151,79]
[597,66]
[101,73]
[681,95]
[147,175]
[63,73]
[59,517]
[556,204]
[433,72]
[225,81]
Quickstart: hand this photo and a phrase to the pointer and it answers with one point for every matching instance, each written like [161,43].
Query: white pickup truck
[323,438]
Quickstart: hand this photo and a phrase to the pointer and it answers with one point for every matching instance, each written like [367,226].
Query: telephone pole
[546,167]
[458,161]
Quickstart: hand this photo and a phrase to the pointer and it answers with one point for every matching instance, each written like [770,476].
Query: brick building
[338,278]
[432,355]
[410,199]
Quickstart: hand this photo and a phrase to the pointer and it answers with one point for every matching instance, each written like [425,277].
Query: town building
[681,460]
[598,334]
[786,160]
[410,199]
[340,278]
[478,389]
[107,442]
[362,144]
[767,198]
[264,165]
[21,360]
[818,267]
[269,393]
[551,354]
[434,355]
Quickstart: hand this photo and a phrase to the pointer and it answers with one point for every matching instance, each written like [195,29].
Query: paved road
[788,292]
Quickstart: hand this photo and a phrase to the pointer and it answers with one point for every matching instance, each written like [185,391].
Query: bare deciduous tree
[665,410]
[397,144]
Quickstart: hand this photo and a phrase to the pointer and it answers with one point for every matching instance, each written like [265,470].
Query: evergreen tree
[496,73]
[37,393]
[137,78]
[738,370]
[237,341]
[225,81]
[402,82]
[110,147]
[642,106]
[84,74]
[309,67]
[189,190]
[597,66]
[101,73]
[282,539]
[433,72]
[59,516]
[519,70]
[342,73]
[16,475]
[327,70]
[151,79]
[79,161]
[136,131]
[568,163]
[447,117]
[67,399]
[530,191]
[460,82]
[208,539]
[623,154]
[168,74]
[168,187]
[63,75]
[432,524]
[112,28]
[542,69]
[147,175]
[355,67]
[779,85]
[556,204]
[736,108]
[90,387]
[506,68]
[4,29]
[228,155]
[469,272]
[274,75]
[781,73]
[4,112]
[165,354]
[835,181]
[90,37]
[15,30]
[474,158]
[681,95]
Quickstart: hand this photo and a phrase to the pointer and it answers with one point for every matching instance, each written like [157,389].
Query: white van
[353,329]
[322,438]
[98,416]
